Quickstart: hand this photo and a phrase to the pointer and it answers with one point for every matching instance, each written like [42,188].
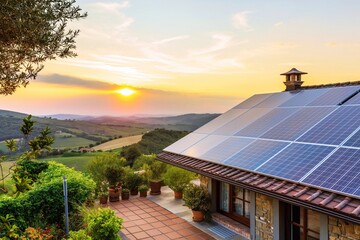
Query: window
[234,202]
[301,223]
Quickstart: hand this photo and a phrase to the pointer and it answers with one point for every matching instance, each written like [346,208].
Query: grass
[118,143]
[70,142]
[76,161]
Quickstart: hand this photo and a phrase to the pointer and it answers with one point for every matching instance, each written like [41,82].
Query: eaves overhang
[333,204]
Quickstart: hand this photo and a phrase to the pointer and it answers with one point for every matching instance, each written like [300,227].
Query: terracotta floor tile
[134,229]
[140,212]
[177,227]
[153,232]
[185,232]
[158,224]
[134,217]
[165,229]
[146,227]
[124,231]
[155,214]
[128,224]
[141,235]
[145,215]
[131,237]
[161,218]
[140,222]
[161,237]
[151,220]
[173,235]
[179,220]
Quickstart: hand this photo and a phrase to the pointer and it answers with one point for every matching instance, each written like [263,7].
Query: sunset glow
[126,92]
[236,49]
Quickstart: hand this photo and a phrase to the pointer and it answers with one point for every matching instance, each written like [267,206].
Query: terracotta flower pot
[198,216]
[114,194]
[134,192]
[178,195]
[125,196]
[103,199]
[143,194]
[155,187]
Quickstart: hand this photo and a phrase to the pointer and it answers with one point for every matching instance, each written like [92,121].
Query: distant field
[70,142]
[118,143]
[79,163]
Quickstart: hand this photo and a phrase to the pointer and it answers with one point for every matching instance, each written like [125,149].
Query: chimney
[293,79]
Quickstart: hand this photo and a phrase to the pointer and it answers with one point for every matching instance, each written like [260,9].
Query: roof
[307,138]
[320,200]
[293,71]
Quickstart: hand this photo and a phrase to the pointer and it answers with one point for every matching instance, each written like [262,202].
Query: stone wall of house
[264,217]
[342,230]
[204,181]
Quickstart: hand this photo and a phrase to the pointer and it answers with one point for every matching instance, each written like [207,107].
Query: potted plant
[125,194]
[114,175]
[197,198]
[157,169]
[103,197]
[177,179]
[133,181]
[143,190]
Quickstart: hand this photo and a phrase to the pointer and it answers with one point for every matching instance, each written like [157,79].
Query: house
[282,165]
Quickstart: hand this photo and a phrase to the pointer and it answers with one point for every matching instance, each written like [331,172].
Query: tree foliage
[32,32]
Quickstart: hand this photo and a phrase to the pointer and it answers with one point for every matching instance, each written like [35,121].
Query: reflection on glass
[224,196]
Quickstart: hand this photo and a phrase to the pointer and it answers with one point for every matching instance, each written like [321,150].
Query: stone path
[144,219]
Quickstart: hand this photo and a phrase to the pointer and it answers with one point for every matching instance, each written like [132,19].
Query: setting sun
[126,92]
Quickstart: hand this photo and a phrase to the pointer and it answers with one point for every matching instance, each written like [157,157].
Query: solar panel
[226,149]
[295,161]
[243,120]
[334,96]
[340,172]
[354,100]
[276,99]
[185,142]
[252,101]
[255,154]
[204,145]
[298,123]
[335,128]
[304,97]
[354,141]
[220,121]
[266,122]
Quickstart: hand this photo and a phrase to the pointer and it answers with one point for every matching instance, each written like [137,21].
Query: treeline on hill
[152,142]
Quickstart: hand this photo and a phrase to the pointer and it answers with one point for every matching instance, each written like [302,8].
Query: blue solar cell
[252,101]
[304,97]
[335,128]
[340,172]
[255,154]
[266,122]
[276,99]
[354,141]
[354,100]
[295,161]
[242,121]
[298,123]
[226,149]
[334,96]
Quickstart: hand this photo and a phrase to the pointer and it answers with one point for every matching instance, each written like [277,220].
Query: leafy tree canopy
[31,32]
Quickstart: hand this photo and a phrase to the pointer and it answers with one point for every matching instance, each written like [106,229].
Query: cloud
[278,24]
[111,6]
[240,21]
[222,41]
[166,40]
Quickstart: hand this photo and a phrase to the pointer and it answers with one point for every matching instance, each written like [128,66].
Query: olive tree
[31,32]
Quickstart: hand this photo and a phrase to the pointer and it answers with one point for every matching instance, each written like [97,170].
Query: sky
[187,56]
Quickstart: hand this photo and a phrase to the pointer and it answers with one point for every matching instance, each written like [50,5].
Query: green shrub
[114,175]
[157,169]
[143,188]
[143,159]
[133,180]
[177,178]
[104,224]
[30,169]
[79,235]
[197,198]
[45,202]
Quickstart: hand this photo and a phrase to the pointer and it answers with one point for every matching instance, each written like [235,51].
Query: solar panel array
[308,136]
